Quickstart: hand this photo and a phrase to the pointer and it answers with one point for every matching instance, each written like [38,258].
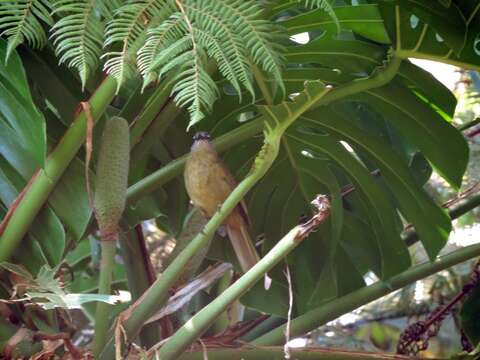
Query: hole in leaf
[347,146]
[311,154]
[301,38]
[413,21]
[476,44]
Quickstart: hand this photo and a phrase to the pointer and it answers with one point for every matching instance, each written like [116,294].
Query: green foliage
[230,32]
[78,35]
[22,21]
[206,49]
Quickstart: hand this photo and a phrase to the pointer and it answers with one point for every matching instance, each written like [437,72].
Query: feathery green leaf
[78,35]
[21,21]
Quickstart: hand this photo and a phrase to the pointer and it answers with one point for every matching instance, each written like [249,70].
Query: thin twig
[286,348]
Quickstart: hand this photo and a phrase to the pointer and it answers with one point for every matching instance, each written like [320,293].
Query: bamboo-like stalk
[332,310]
[157,294]
[45,180]
[222,322]
[201,321]
[139,276]
[102,312]
[253,127]
[277,353]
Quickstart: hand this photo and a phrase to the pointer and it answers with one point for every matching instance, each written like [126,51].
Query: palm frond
[21,21]
[230,32]
[109,8]
[127,29]
[78,35]
[159,38]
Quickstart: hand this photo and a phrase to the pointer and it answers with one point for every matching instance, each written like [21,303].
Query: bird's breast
[202,181]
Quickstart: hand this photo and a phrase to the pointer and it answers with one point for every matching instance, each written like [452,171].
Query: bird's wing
[232,183]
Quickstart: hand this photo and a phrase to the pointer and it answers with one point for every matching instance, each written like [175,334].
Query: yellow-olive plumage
[208,184]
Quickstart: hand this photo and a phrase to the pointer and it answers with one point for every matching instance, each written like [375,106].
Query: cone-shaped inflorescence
[112,177]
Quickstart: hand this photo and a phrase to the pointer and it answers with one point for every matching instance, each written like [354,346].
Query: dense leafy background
[403,129]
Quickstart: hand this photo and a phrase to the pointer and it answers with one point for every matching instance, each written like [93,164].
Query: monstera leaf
[393,129]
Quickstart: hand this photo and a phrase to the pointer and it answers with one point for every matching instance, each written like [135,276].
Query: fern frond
[262,38]
[326,6]
[195,88]
[159,38]
[21,21]
[128,28]
[228,48]
[78,35]
[231,32]
[109,8]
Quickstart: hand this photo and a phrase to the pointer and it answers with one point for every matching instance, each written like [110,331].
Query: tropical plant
[344,113]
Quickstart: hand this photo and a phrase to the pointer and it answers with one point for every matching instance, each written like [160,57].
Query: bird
[209,182]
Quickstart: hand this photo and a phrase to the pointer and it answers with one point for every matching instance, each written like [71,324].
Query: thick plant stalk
[139,275]
[102,312]
[157,294]
[222,322]
[45,180]
[277,353]
[253,127]
[108,206]
[332,310]
[203,319]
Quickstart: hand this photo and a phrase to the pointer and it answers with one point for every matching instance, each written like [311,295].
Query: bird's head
[201,140]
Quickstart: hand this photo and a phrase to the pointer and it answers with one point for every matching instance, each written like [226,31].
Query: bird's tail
[242,244]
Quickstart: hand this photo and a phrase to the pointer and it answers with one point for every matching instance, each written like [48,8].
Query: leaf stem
[201,321]
[102,313]
[332,310]
[255,126]
[46,178]
[157,294]
[276,353]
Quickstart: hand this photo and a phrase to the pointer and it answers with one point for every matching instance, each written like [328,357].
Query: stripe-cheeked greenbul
[208,183]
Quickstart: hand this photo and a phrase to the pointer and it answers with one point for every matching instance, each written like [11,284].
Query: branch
[276,353]
[46,179]
[255,126]
[200,322]
[332,310]
[276,122]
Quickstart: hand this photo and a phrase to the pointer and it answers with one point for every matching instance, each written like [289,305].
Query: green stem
[157,294]
[278,353]
[332,310]
[154,105]
[407,54]
[139,276]
[268,325]
[255,126]
[204,318]
[102,314]
[44,182]
[222,322]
